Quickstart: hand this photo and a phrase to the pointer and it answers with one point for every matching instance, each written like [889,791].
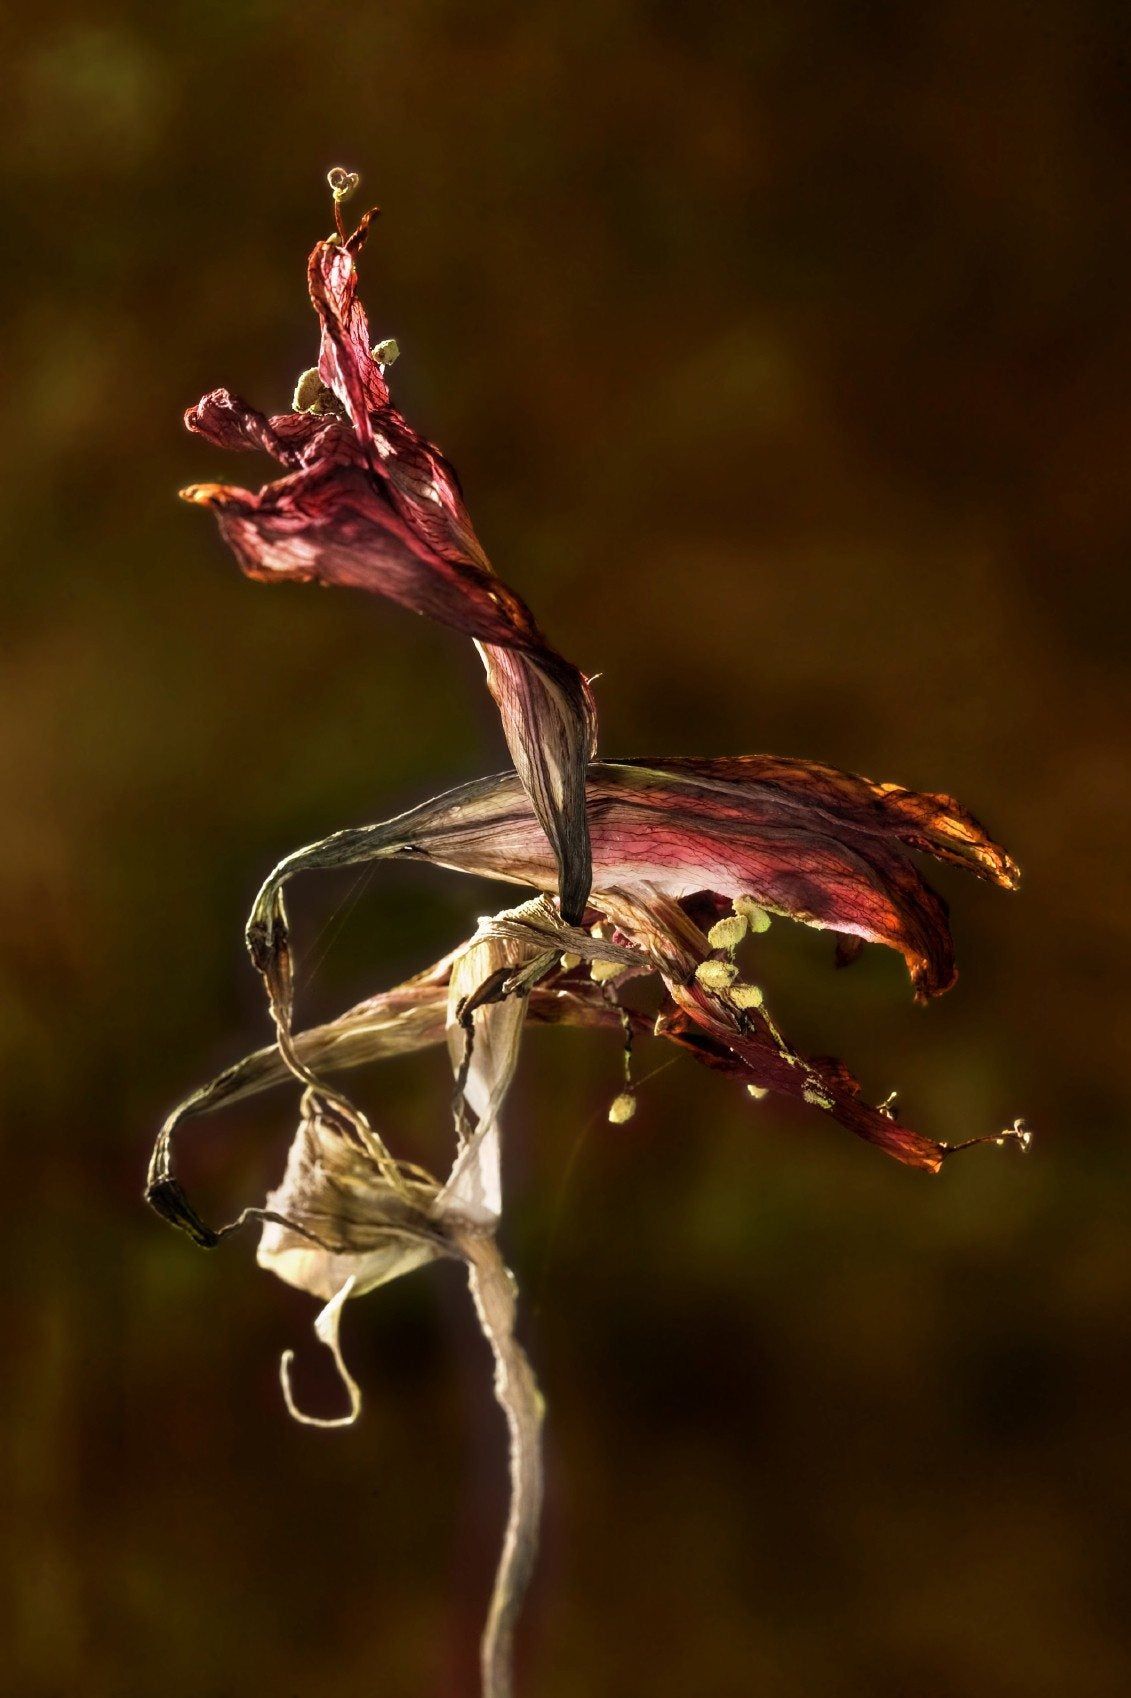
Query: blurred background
[782,349]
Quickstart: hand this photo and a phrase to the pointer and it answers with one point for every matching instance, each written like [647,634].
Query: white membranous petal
[327,1327]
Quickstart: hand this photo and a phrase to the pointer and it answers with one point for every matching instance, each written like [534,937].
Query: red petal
[755,1057]
[345,363]
[658,828]
[937,825]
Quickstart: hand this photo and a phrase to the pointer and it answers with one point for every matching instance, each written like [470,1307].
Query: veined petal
[934,824]
[662,828]
[333,522]
[755,1055]
[345,363]
[544,695]
[372,504]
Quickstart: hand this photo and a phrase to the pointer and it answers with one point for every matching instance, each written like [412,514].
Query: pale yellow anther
[570,960]
[755,916]
[745,996]
[622,1108]
[757,1092]
[716,975]
[728,933]
[602,971]
[386,353]
[308,390]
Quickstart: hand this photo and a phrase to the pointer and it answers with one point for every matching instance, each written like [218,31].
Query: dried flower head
[662,870]
[369,503]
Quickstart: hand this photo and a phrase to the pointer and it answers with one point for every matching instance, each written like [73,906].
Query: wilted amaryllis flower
[348,1216]
[670,836]
[651,868]
[369,503]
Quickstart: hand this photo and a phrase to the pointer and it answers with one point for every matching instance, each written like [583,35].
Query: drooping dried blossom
[369,503]
[348,1216]
[823,847]
[649,869]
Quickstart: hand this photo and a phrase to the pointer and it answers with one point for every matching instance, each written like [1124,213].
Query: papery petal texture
[347,1222]
[824,848]
[371,504]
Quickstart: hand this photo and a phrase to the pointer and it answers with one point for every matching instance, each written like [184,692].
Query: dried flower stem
[494,1293]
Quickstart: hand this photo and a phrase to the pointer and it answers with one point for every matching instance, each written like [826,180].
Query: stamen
[386,353]
[728,933]
[312,395]
[623,1107]
[745,996]
[1020,1133]
[755,916]
[716,975]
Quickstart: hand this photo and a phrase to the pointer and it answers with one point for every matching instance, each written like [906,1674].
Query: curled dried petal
[660,828]
[371,504]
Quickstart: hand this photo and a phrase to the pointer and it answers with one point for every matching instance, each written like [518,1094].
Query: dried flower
[348,1216]
[638,854]
[368,502]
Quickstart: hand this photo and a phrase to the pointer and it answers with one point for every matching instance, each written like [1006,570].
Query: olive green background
[782,349]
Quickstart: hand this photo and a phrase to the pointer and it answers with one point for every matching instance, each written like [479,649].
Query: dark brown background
[782,350]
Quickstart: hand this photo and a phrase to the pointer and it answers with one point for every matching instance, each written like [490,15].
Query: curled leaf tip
[167,1197]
